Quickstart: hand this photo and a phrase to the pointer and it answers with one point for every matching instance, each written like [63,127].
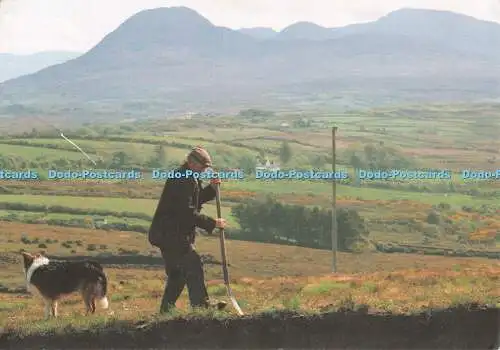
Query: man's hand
[215,182]
[220,223]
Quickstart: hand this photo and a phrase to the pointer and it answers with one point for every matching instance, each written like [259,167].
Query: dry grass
[265,277]
[136,293]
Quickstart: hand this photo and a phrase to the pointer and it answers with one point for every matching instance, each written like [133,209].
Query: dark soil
[449,329]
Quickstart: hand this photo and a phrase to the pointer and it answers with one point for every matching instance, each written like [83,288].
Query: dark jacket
[178,211]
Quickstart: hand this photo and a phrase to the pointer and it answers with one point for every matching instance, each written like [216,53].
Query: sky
[29,26]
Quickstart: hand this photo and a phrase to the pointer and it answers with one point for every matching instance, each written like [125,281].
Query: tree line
[271,221]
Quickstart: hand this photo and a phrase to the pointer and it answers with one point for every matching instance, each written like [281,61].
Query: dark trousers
[183,266]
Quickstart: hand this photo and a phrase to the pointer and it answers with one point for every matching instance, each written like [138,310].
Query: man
[173,231]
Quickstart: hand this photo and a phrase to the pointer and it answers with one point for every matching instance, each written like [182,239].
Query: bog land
[428,244]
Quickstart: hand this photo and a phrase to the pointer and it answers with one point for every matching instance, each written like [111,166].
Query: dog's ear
[26,255]
[28,258]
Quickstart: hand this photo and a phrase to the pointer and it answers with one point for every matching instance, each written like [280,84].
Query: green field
[433,260]
[23,215]
[305,188]
[32,153]
[146,206]
[426,136]
[100,148]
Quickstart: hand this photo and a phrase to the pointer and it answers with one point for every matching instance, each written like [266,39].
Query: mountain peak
[175,59]
[439,24]
[409,13]
[305,30]
[163,26]
[303,25]
[177,15]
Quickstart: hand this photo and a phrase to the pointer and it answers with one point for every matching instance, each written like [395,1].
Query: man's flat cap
[201,156]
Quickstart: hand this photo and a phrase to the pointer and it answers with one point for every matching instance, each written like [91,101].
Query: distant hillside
[174,60]
[13,66]
[307,31]
[467,34]
[259,32]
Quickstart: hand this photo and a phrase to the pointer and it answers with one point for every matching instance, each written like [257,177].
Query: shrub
[273,222]
[433,218]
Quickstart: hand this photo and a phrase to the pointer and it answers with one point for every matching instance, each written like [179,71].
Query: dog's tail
[101,292]
[101,287]
[101,297]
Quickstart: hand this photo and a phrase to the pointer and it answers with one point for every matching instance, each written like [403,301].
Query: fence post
[334,205]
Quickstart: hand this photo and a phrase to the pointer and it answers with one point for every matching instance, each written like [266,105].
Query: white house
[268,166]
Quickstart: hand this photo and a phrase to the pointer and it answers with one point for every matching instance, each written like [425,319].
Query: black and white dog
[54,279]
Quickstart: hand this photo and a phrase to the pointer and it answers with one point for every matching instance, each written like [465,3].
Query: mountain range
[171,60]
[13,66]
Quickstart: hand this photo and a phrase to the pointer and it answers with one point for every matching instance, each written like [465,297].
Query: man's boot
[217,304]
[173,289]
[213,304]
[166,307]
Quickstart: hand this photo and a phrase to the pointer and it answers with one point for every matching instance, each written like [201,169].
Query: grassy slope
[401,128]
[258,272]
[429,132]
[383,281]
[28,152]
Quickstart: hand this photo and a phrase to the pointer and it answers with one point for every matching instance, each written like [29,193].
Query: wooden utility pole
[334,205]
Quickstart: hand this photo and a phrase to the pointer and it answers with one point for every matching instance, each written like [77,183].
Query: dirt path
[450,329]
